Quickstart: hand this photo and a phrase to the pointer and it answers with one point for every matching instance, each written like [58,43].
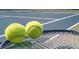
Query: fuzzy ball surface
[15,33]
[34,29]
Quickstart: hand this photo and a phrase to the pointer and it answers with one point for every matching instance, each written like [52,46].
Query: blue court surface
[51,21]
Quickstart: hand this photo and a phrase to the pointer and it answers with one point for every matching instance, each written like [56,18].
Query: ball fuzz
[15,33]
[34,29]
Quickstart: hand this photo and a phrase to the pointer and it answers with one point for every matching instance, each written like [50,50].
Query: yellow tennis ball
[34,29]
[15,33]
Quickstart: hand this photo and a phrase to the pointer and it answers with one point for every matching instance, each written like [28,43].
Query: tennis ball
[34,29]
[15,33]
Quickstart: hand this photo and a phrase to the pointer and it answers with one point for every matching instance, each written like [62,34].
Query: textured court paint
[60,19]
[63,24]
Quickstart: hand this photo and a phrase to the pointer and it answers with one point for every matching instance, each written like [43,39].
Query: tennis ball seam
[31,27]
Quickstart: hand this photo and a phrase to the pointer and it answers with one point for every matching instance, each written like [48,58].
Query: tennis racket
[50,39]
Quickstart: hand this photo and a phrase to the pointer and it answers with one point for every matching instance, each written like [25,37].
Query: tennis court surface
[51,21]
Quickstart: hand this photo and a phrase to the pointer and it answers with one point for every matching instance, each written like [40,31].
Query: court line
[73,26]
[2,35]
[5,16]
[60,19]
[58,12]
[59,34]
[54,21]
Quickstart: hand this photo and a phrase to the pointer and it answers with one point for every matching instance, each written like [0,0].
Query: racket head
[60,39]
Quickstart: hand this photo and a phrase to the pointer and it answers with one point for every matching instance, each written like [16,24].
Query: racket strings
[65,39]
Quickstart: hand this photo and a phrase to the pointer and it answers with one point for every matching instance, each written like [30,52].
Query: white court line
[55,20]
[59,34]
[1,35]
[5,16]
[60,19]
[73,26]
